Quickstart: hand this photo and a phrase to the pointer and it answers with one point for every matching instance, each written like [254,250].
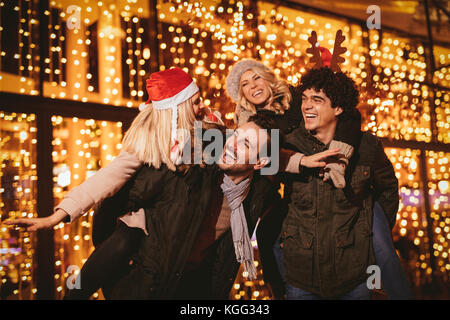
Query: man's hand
[34,224]
[316,160]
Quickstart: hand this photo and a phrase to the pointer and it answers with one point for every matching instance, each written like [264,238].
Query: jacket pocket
[351,196]
[298,254]
[345,239]
[351,253]
[343,202]
[301,196]
[360,180]
[303,203]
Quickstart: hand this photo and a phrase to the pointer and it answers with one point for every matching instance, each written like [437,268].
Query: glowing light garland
[205,38]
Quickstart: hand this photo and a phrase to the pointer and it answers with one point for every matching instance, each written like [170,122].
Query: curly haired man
[327,234]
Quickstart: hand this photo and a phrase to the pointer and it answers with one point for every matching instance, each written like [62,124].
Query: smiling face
[317,111]
[254,88]
[241,151]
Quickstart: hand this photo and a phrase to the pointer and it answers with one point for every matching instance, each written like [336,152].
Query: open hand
[31,224]
[34,224]
[317,160]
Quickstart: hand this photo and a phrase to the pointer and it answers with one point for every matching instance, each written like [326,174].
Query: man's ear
[261,163]
[338,111]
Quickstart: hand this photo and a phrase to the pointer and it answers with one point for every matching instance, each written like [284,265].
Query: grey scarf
[235,195]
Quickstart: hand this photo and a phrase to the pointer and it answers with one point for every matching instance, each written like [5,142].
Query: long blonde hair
[149,136]
[280,95]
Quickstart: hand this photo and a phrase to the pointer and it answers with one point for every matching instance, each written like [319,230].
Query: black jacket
[175,205]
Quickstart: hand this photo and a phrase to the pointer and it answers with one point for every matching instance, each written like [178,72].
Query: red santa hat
[166,90]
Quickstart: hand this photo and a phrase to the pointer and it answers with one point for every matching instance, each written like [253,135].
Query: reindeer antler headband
[322,57]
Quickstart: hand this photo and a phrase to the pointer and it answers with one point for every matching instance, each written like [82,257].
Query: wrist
[301,164]
[58,216]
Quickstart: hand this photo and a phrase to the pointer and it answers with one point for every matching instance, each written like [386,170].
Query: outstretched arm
[105,183]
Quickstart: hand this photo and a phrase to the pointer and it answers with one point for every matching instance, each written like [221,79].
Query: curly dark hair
[338,87]
[267,121]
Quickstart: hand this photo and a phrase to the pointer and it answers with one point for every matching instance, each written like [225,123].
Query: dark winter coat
[327,234]
[269,229]
[175,206]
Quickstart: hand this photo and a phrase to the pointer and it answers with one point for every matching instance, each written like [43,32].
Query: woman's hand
[34,224]
[316,160]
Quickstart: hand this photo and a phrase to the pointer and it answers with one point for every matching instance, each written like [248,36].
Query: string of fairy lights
[136,55]
[400,71]
[97,142]
[107,60]
[17,200]
[411,219]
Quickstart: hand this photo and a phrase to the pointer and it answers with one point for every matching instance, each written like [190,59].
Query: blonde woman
[155,138]
[255,89]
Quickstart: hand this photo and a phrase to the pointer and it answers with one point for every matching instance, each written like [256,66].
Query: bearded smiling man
[247,150]
[196,254]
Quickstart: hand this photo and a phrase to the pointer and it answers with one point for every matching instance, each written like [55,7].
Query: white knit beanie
[234,77]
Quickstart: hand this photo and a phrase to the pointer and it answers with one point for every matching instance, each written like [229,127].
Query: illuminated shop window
[80,148]
[17,200]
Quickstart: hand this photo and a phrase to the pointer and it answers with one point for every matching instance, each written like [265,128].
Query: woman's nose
[202,109]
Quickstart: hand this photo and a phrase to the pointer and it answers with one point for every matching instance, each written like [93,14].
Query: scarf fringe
[235,195]
[249,265]
[250,268]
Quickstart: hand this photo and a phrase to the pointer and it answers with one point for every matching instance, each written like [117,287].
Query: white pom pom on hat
[234,77]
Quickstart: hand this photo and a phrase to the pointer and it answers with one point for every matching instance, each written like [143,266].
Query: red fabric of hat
[166,84]
[326,56]
[166,90]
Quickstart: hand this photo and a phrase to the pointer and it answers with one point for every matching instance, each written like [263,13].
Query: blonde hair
[149,136]
[280,95]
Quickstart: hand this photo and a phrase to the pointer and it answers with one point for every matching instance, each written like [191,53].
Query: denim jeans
[393,277]
[278,253]
[361,292]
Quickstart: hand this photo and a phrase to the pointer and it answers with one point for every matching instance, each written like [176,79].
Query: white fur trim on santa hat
[143,106]
[175,100]
[172,103]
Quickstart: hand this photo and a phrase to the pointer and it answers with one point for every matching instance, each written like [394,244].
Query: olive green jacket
[327,234]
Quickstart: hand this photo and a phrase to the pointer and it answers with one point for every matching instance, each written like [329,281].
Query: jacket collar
[303,140]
